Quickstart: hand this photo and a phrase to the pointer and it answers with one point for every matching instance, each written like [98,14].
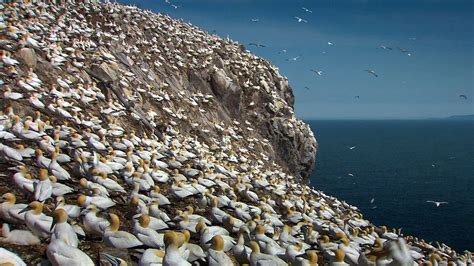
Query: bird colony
[85,180]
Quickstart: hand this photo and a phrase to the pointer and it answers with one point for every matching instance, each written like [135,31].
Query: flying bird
[317,72]
[301,20]
[351,147]
[403,50]
[282,51]
[349,174]
[330,43]
[372,72]
[464,96]
[255,20]
[437,203]
[372,200]
[174,6]
[356,97]
[257,44]
[306,87]
[293,59]
[386,47]
[307,10]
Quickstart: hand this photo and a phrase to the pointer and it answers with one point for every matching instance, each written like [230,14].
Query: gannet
[172,254]
[36,221]
[216,255]
[62,230]
[18,237]
[93,224]
[257,258]
[10,211]
[147,235]
[59,253]
[9,258]
[43,189]
[372,72]
[301,20]
[152,257]
[437,203]
[119,239]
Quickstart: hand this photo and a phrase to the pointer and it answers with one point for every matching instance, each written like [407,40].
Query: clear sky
[438,34]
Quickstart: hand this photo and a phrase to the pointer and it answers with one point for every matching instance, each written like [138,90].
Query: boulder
[104,72]
[27,56]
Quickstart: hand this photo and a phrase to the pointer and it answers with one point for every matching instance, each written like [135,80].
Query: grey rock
[27,56]
[294,144]
[124,59]
[104,72]
[228,92]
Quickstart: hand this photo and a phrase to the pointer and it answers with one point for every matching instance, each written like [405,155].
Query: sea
[396,167]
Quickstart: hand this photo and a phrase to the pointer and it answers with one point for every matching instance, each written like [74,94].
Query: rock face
[27,56]
[239,88]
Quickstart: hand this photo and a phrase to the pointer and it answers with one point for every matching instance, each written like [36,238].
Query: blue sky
[438,34]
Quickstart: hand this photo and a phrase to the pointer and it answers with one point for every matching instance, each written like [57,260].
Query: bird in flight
[464,96]
[257,44]
[330,43]
[306,87]
[307,10]
[372,200]
[301,20]
[372,72]
[293,59]
[349,174]
[282,51]
[255,20]
[351,147]
[403,50]
[437,203]
[356,97]
[386,47]
[174,6]
[317,72]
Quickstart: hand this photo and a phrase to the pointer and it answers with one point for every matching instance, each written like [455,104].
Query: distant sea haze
[390,169]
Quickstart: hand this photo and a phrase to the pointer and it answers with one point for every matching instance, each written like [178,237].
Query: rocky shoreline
[130,136]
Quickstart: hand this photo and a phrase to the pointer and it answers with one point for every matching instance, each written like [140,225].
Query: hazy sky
[438,34]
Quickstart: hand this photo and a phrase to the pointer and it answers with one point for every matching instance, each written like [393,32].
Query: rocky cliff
[170,73]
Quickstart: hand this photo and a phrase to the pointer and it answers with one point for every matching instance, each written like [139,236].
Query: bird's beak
[25,209]
[113,260]
[53,224]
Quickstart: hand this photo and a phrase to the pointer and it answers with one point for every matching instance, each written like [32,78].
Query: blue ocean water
[401,165]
